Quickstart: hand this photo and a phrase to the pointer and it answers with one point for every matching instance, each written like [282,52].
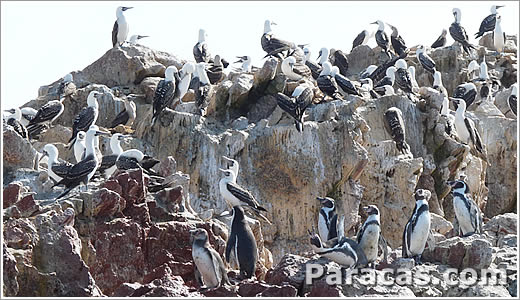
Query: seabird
[87,116]
[367,86]
[466,130]
[488,24]
[66,87]
[426,61]
[121,28]
[323,56]
[385,90]
[472,68]
[466,91]
[210,270]
[295,106]
[362,38]
[127,116]
[55,169]
[467,212]
[202,88]
[165,93]
[327,219]
[246,63]
[380,71]
[314,67]
[47,113]
[381,36]
[397,42]
[395,127]
[345,252]
[185,75]
[402,77]
[79,146]
[370,233]
[83,171]
[499,37]
[135,159]
[513,98]
[417,229]
[200,50]
[108,162]
[327,83]
[215,71]
[437,83]
[389,79]
[271,44]
[234,165]
[458,33]
[441,40]
[295,71]
[345,86]
[234,194]
[484,78]
[242,242]
[28,113]
[14,121]
[134,38]
[340,60]
[367,72]
[415,85]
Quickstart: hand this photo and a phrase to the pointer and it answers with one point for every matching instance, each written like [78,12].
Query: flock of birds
[329,74]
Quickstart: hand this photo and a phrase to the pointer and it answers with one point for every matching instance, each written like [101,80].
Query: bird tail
[67,190]
[479,34]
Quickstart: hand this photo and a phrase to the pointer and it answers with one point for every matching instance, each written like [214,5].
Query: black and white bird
[367,87]
[323,56]
[369,234]
[234,194]
[437,83]
[484,80]
[367,71]
[488,24]
[234,165]
[200,50]
[380,71]
[202,88]
[415,85]
[121,28]
[513,98]
[66,87]
[242,242]
[345,86]
[466,91]
[126,117]
[402,77]
[215,70]
[397,42]
[79,146]
[441,40]
[458,33]
[467,212]
[166,92]
[313,66]
[326,82]
[426,61]
[385,90]
[388,80]
[28,113]
[273,45]
[362,38]
[14,120]
[185,76]
[55,169]
[135,159]
[136,37]
[293,70]
[296,105]
[83,171]
[327,219]
[108,162]
[395,127]
[47,113]
[246,61]
[87,116]
[473,67]
[466,129]
[340,60]
[210,271]
[499,36]
[417,229]
[381,36]
[345,252]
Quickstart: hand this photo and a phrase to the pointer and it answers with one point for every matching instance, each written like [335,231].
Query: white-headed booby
[488,24]
[127,116]
[466,129]
[55,169]
[381,36]
[499,37]
[271,44]
[200,50]
[47,113]
[437,83]
[389,79]
[246,63]
[121,28]
[466,91]
[79,146]
[293,70]
[313,66]
[426,61]
[134,38]
[14,121]
[185,74]
[234,194]
[397,42]
[395,127]
[367,71]
[108,162]
[402,77]
[458,33]
[362,38]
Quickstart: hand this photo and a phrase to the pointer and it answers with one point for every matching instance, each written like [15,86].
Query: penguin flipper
[383,244]
[229,246]
[198,277]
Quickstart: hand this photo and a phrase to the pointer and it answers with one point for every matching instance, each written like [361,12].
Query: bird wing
[403,80]
[341,61]
[469,97]
[114,34]
[439,42]
[127,163]
[328,85]
[62,169]
[18,127]
[346,85]
[458,33]
[270,43]
[382,39]
[474,135]
[287,104]
[474,210]
[358,40]
[488,24]
[78,171]
[302,70]
[201,52]
[229,245]
[107,161]
[385,81]
[315,69]
[427,62]
[83,120]
[121,118]
[242,194]
[304,99]
[333,231]
[46,113]
[512,101]
[163,98]
[398,44]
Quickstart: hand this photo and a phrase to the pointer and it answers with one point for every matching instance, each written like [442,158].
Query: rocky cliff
[124,241]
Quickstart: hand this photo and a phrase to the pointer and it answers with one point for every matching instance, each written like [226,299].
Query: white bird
[466,129]
[55,169]
[437,83]
[499,37]
[185,76]
[121,28]
[79,146]
[426,61]
[323,56]
[293,70]
[415,85]
[108,162]
[134,38]
[127,116]
[28,113]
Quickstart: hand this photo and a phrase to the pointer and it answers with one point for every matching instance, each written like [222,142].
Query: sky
[42,41]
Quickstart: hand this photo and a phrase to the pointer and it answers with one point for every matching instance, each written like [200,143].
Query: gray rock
[17,152]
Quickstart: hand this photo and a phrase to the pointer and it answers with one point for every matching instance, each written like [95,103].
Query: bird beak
[125,8]
[142,36]
[499,6]
[10,110]
[44,154]
[374,22]
[222,170]
[273,23]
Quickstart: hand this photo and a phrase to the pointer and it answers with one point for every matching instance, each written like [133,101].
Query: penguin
[210,271]
[242,241]
[417,229]
[327,219]
[467,212]
[368,235]
[345,252]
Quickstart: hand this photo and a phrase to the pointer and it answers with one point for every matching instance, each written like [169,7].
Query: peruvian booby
[466,129]
[380,71]
[14,120]
[415,85]
[167,90]
[483,77]
[445,112]
[202,88]
[340,60]
[215,71]
[499,37]
[367,71]
[362,38]
[389,79]
[47,113]
[28,113]
[345,86]
[466,91]
[370,233]
[127,116]
[185,75]
[271,44]
[135,159]
[83,171]
[467,212]
[79,146]
[441,40]
[294,70]
[66,87]
[513,98]
[108,162]
[234,165]
[55,169]
[437,83]
[488,24]
[242,242]
[473,66]
[313,66]
[210,270]
[323,56]
[367,86]
[381,36]
[458,33]
[200,50]
[327,219]
[417,229]
[426,61]
[234,194]
[385,90]
[326,82]
[246,63]
[121,28]
[395,127]
[402,77]
[87,116]
[397,42]
[134,38]
[295,106]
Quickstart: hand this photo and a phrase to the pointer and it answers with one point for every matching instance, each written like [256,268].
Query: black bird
[315,68]
[361,38]
[381,36]
[345,86]
[380,71]
[200,50]
[395,126]
[458,33]
[513,98]
[441,40]
[467,92]
[295,106]
[215,71]
[488,24]
[402,77]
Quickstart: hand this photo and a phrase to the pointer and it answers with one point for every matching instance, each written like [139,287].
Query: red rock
[171,197]
[10,273]
[291,269]
[280,291]
[159,272]
[157,213]
[167,167]
[107,203]
[139,212]
[12,193]
[126,289]
[223,291]
[320,288]
[27,206]
[113,185]
[20,233]
[133,186]
[251,289]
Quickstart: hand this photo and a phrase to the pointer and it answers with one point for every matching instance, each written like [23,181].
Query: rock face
[118,239]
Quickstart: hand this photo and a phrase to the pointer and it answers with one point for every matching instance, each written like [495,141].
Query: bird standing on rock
[488,24]
[242,242]
[210,270]
[121,28]
[295,106]
[165,93]
[417,229]
[458,33]
[86,117]
[441,40]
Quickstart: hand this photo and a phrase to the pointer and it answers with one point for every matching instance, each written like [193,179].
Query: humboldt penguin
[467,212]
[368,235]
[242,241]
[327,219]
[417,229]
[210,271]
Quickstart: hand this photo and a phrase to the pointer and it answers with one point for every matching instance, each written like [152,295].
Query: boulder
[469,252]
